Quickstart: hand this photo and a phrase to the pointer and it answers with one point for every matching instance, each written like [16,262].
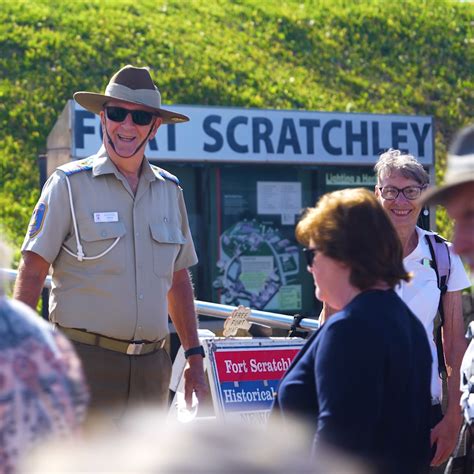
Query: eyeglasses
[119,114]
[410,192]
[309,255]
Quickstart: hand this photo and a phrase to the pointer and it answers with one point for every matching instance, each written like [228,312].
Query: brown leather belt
[117,345]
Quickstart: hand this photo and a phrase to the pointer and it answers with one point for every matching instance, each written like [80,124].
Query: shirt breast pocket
[166,243]
[103,247]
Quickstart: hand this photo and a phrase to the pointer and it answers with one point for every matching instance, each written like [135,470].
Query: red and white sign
[245,374]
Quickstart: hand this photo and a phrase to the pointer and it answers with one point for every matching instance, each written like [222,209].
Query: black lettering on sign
[262,128]
[398,137]
[288,137]
[171,136]
[352,137]
[328,126]
[420,137]
[310,125]
[171,129]
[213,133]
[238,148]
[376,149]
[152,144]
[80,129]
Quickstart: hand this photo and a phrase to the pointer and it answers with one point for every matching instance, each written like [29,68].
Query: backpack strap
[441,264]
[442,260]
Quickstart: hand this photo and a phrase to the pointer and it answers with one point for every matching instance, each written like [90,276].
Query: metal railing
[222,311]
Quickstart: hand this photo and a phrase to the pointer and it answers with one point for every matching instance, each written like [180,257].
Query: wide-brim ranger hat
[460,167]
[130,84]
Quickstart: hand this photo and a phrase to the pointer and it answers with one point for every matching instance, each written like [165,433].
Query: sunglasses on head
[309,254]
[119,114]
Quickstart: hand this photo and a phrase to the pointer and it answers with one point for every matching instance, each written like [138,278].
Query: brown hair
[352,227]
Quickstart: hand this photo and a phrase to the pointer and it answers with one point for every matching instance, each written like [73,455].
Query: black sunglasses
[309,255]
[139,117]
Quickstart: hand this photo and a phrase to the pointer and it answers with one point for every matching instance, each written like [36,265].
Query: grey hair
[407,165]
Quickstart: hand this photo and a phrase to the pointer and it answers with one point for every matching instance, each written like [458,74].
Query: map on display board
[258,267]
[244,375]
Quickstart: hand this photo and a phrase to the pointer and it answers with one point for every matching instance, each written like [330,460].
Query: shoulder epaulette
[76,166]
[165,174]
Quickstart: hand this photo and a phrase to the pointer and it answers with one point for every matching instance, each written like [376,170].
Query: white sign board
[279,197]
[224,134]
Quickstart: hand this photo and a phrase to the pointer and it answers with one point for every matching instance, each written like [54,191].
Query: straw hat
[130,84]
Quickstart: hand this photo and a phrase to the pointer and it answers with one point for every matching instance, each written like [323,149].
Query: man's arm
[446,432]
[183,315]
[32,272]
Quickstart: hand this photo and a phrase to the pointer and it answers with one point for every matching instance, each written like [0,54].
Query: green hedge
[408,57]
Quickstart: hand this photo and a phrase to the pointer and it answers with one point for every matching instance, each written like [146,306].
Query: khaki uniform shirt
[122,294]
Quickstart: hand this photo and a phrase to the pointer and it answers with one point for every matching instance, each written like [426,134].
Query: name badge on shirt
[105,217]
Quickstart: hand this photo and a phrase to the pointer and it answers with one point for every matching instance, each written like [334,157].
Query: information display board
[259,263]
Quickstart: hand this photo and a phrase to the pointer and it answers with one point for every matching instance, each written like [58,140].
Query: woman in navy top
[363,380]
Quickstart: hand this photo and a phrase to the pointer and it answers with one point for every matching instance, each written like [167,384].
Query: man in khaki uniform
[115,231]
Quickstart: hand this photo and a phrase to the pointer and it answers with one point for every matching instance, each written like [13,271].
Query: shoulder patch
[165,174]
[37,219]
[76,166]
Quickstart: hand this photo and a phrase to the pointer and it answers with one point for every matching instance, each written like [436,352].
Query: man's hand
[195,381]
[445,435]
[182,313]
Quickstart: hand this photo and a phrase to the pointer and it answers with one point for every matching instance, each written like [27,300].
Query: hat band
[150,98]
[459,167]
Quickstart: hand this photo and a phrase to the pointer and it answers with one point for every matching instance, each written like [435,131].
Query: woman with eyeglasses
[401,180]
[362,381]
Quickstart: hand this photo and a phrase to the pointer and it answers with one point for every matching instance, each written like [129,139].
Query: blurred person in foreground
[457,196]
[401,182]
[42,389]
[363,379]
[152,443]
[114,229]
[457,193]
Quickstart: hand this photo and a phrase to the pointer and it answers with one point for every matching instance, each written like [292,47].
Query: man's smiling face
[127,135]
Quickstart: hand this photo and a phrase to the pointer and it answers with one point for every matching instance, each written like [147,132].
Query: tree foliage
[407,57]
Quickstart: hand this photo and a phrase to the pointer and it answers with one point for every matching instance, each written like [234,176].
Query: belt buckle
[135,348]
